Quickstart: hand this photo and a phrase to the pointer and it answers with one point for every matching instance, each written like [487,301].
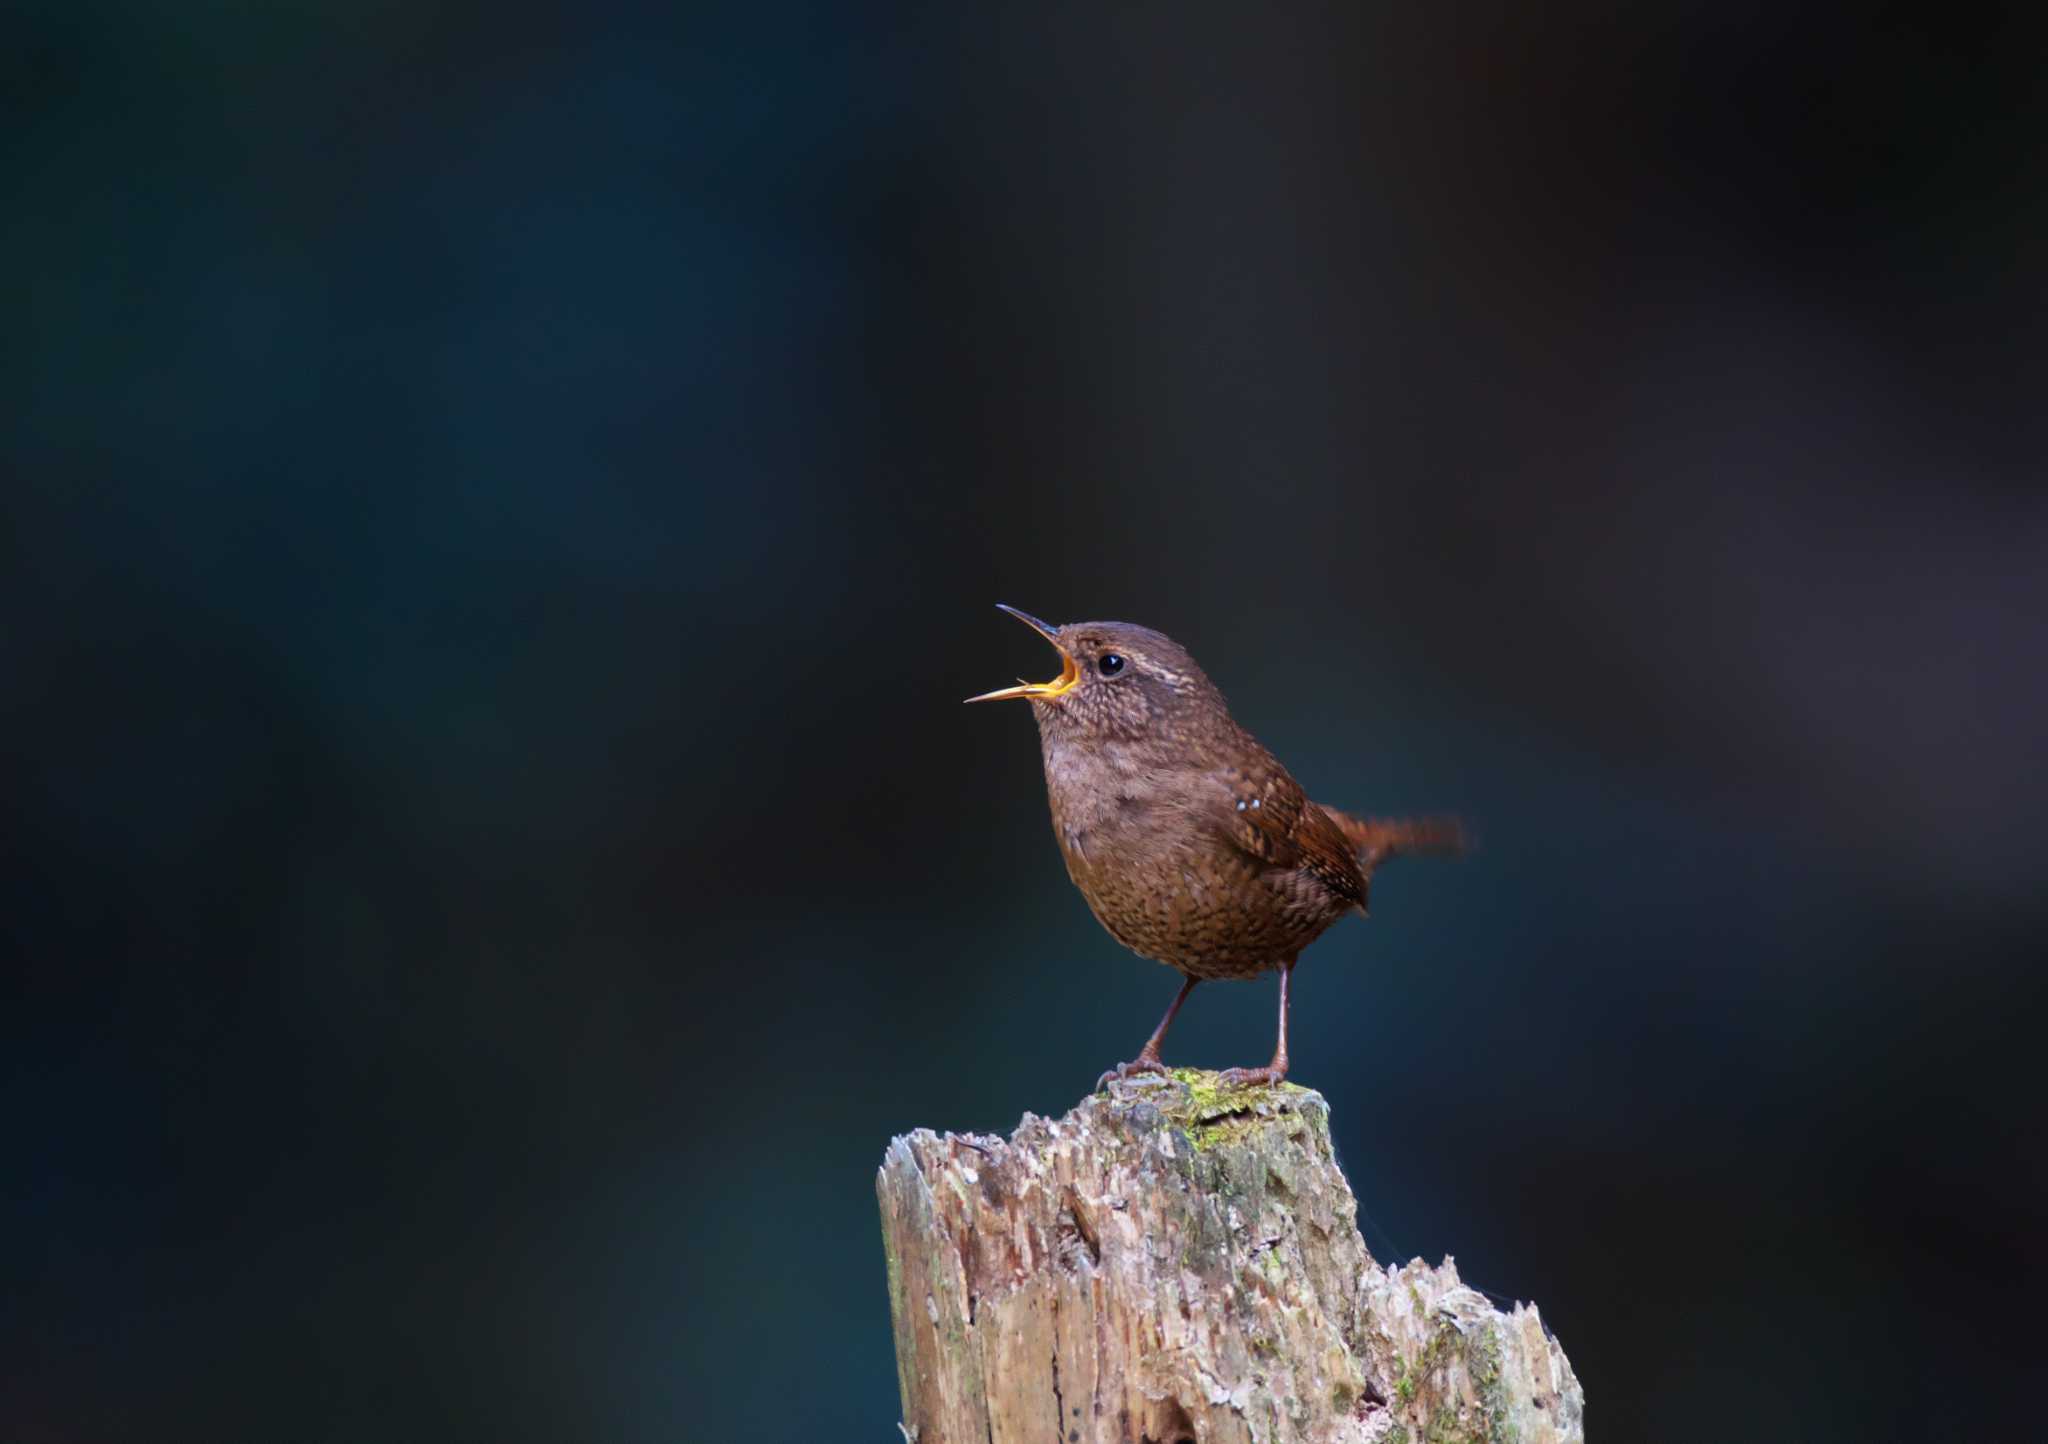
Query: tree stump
[1179,1260]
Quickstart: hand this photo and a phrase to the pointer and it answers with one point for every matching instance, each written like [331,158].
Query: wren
[1191,843]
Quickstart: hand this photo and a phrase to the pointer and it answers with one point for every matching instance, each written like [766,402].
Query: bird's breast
[1111,800]
[1142,849]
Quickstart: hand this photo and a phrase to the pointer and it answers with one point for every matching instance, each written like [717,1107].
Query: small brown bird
[1190,841]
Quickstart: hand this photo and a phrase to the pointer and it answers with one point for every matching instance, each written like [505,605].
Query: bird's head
[1116,680]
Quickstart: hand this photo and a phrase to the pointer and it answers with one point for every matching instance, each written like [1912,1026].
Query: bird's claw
[1254,1077]
[1137,1065]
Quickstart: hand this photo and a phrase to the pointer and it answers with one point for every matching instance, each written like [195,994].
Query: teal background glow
[503,502]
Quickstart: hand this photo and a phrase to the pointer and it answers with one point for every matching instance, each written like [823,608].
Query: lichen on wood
[1178,1259]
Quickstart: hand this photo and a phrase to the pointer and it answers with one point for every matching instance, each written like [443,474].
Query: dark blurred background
[503,502]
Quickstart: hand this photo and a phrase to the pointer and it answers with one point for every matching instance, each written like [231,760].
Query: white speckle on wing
[1255,802]
[1240,804]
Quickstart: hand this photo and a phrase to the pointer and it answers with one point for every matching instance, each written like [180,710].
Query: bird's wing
[1261,811]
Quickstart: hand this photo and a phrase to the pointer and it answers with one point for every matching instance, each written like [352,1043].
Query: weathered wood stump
[1179,1260]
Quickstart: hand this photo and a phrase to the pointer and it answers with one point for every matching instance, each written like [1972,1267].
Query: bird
[1191,843]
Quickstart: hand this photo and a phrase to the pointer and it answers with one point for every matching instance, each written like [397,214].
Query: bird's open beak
[1069,677]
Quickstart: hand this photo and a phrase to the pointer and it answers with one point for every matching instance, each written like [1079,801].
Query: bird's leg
[1276,1070]
[1147,1060]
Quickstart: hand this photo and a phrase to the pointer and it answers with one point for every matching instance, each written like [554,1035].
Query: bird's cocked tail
[1375,839]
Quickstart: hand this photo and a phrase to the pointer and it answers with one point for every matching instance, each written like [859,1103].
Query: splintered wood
[1178,1260]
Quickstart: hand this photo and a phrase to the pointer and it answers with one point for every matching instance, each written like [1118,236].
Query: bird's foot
[1143,1063]
[1254,1077]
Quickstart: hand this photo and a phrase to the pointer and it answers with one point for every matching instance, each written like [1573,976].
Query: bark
[1179,1260]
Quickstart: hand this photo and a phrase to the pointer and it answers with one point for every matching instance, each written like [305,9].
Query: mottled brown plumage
[1190,841]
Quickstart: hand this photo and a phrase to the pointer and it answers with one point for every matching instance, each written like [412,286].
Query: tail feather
[1375,839]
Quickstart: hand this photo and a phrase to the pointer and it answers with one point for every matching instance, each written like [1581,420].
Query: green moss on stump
[1211,1110]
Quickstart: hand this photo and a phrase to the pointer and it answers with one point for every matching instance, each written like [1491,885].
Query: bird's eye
[1110,664]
